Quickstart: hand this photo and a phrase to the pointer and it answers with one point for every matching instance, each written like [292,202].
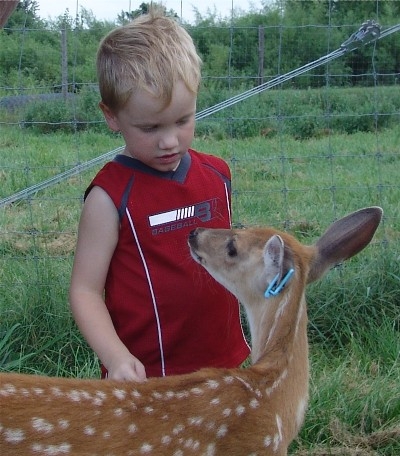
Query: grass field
[299,186]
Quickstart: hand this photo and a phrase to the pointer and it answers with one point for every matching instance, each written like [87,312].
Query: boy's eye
[148,128]
[152,128]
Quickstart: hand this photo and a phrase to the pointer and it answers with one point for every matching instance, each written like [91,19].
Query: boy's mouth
[169,157]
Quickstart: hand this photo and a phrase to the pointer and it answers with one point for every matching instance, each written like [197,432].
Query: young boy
[144,306]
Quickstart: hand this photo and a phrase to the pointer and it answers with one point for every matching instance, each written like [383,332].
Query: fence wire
[368,33]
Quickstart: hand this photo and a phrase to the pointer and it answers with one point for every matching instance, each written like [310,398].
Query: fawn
[253,411]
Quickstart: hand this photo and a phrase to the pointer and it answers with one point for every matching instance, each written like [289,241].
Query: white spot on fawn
[118,412]
[132,428]
[119,394]
[166,440]
[146,448]
[192,444]
[240,410]
[101,395]
[97,401]
[254,403]
[99,398]
[178,429]
[182,394]
[267,441]
[41,425]
[89,430]
[56,391]
[222,431]
[8,390]
[258,393]
[213,384]
[14,435]
[195,420]
[196,391]
[74,395]
[210,449]
[85,395]
[135,393]
[51,450]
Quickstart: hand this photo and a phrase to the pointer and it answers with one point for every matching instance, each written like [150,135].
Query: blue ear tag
[274,289]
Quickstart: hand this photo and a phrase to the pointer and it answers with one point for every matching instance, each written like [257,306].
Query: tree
[127,16]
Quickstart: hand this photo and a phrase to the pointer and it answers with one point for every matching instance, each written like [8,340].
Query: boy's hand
[128,369]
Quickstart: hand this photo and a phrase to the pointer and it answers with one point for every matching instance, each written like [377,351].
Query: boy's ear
[110,117]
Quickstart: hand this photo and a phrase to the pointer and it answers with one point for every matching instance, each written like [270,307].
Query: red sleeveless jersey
[169,312]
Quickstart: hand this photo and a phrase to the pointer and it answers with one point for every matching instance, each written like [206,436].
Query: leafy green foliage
[302,113]
[77,113]
[295,34]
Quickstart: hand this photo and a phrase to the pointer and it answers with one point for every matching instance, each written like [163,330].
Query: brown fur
[6,9]
[258,410]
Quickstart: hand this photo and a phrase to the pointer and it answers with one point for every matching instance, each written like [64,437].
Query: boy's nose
[169,141]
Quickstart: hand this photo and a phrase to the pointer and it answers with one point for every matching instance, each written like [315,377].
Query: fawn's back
[233,412]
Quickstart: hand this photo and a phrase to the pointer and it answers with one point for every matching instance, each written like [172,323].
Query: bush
[305,113]
[49,113]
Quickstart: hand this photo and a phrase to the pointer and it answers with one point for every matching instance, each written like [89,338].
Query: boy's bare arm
[95,324]
[97,238]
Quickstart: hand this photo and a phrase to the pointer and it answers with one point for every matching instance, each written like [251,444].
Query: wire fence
[298,161]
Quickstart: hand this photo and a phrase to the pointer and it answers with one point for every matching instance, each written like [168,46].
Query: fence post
[261,45]
[64,64]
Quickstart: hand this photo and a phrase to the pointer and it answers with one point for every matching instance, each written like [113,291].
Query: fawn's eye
[231,249]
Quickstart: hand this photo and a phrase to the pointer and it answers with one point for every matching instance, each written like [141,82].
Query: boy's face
[157,136]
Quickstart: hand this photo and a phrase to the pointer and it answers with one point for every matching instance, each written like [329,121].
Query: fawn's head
[247,261]
[259,263]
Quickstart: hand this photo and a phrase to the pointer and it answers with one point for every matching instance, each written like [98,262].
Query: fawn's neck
[278,329]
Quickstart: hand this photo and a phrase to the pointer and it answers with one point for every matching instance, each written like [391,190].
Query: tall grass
[299,186]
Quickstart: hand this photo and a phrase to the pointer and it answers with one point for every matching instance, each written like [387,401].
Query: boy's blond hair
[152,52]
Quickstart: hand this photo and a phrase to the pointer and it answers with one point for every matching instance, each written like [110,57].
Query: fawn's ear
[273,257]
[278,266]
[344,239]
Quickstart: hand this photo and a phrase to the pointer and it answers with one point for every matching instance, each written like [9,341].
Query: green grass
[299,186]
[354,405]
